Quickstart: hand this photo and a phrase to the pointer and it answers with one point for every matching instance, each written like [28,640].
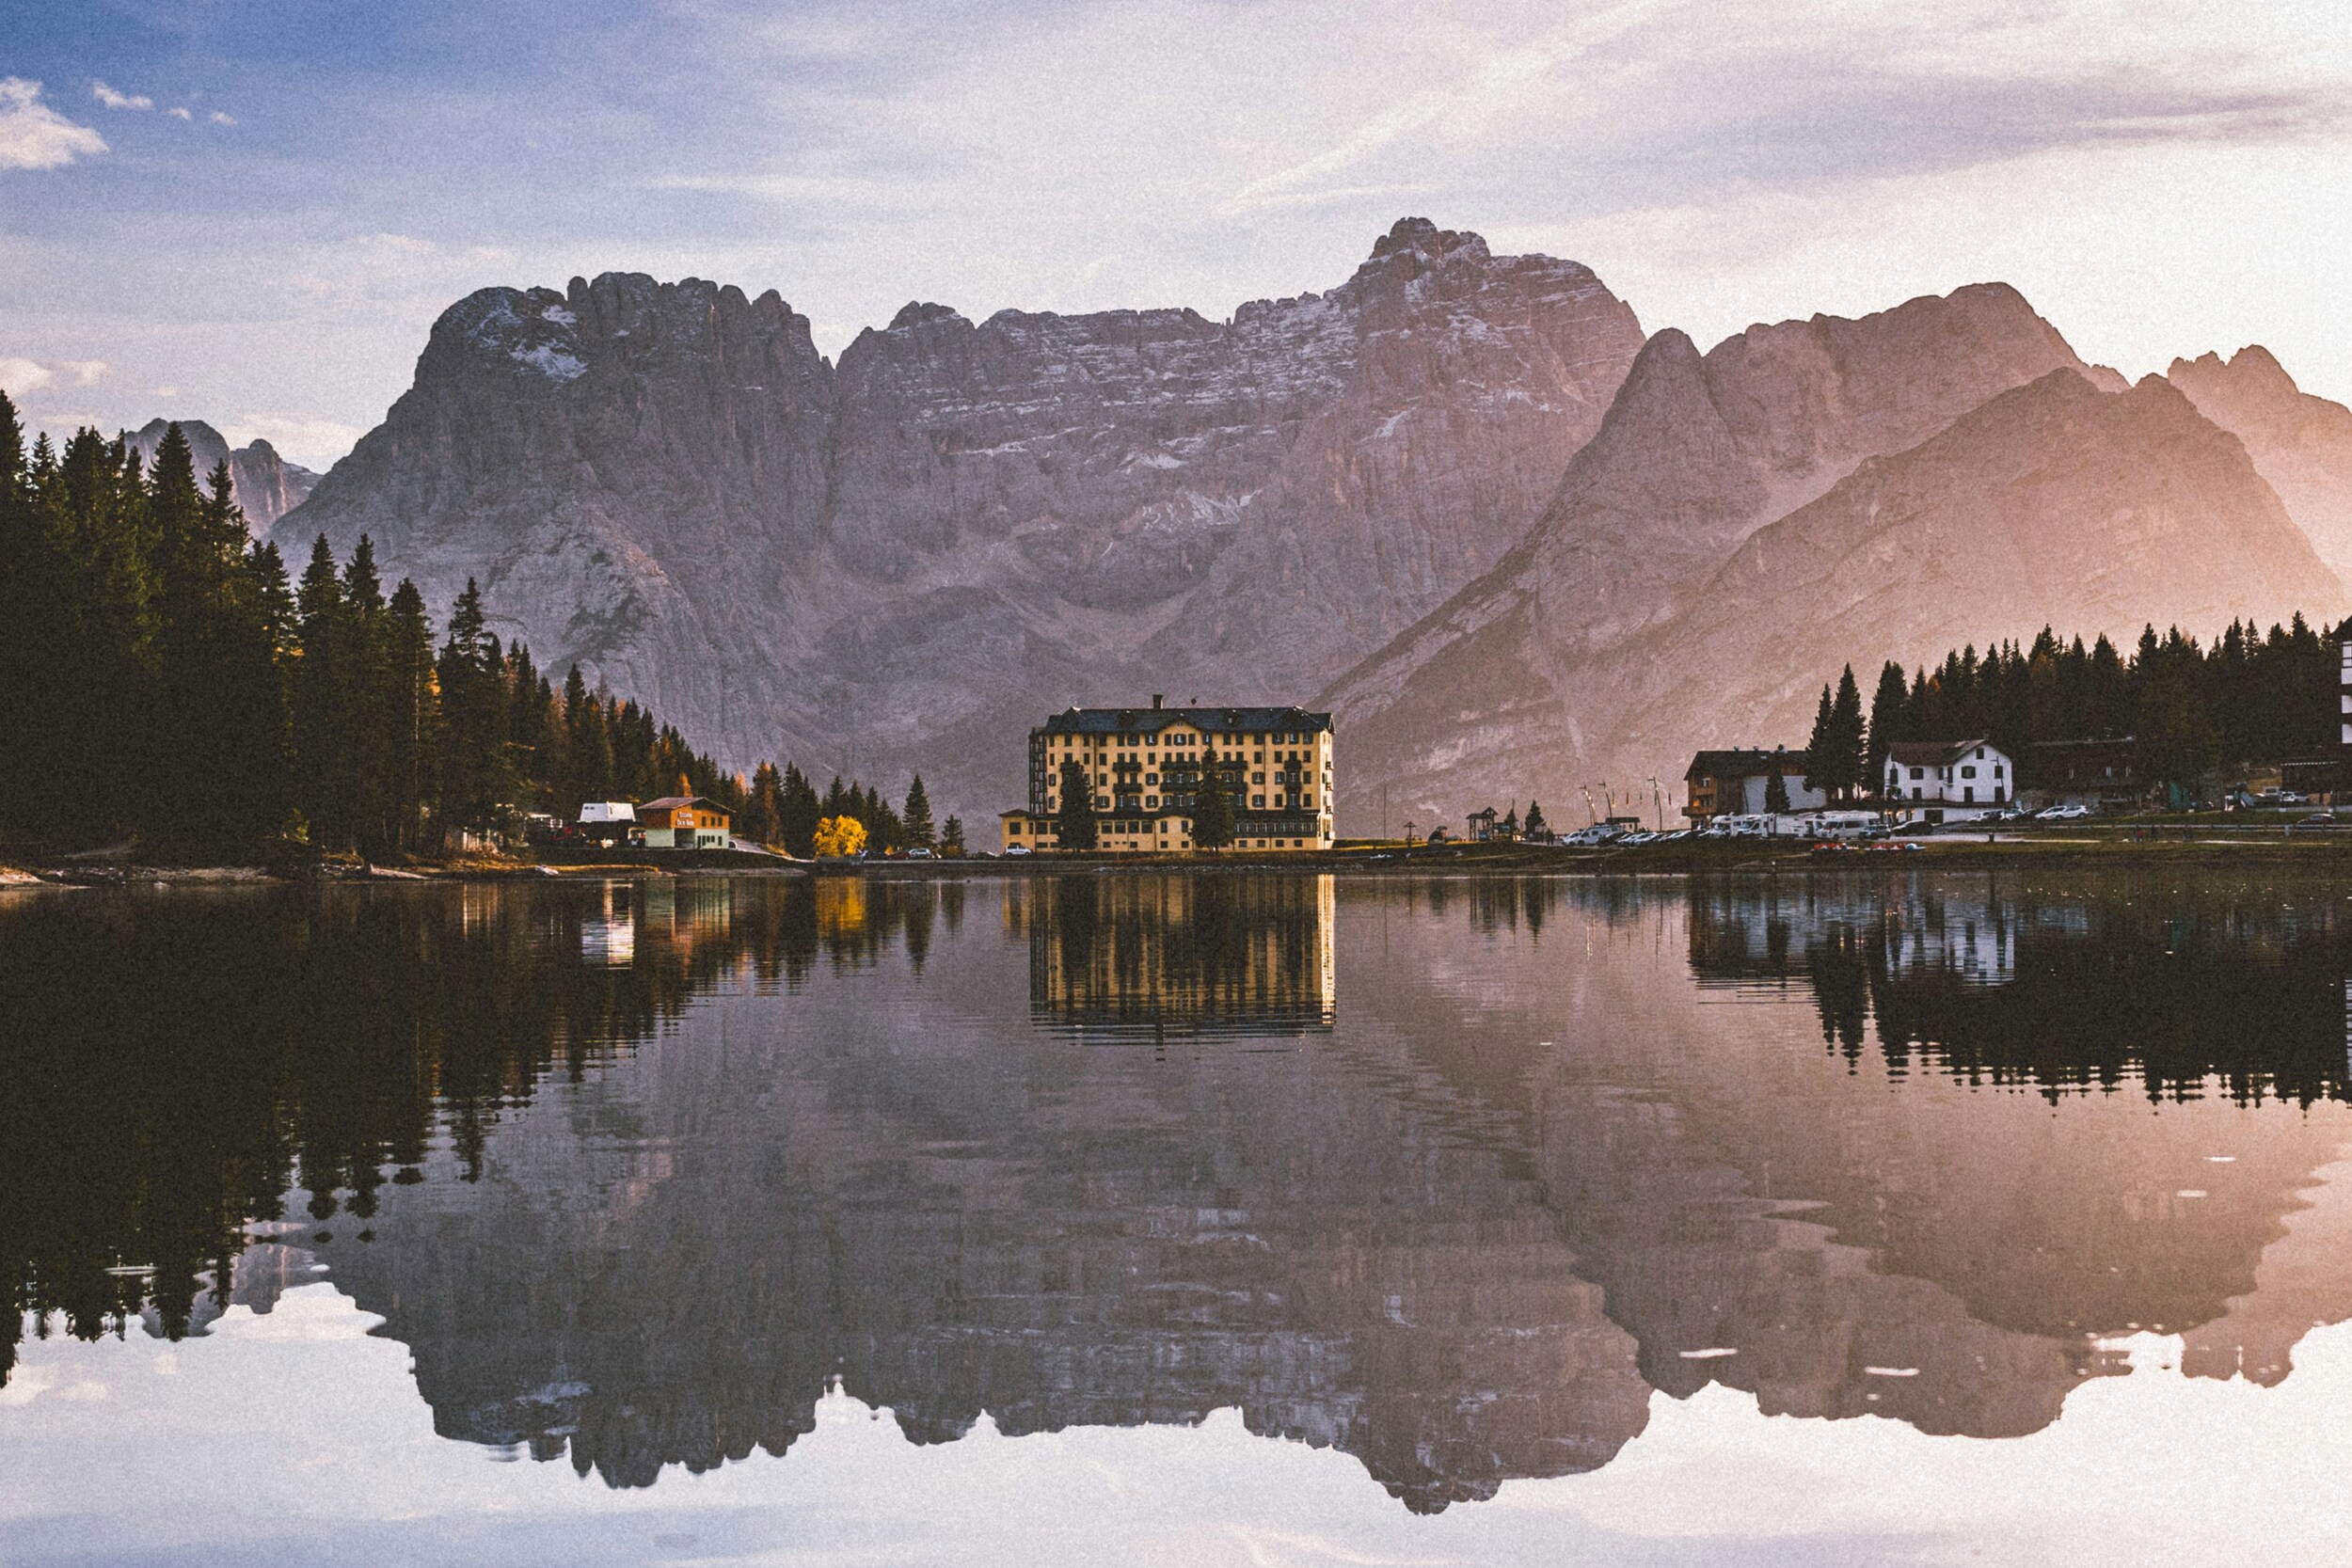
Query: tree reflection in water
[1448,1173]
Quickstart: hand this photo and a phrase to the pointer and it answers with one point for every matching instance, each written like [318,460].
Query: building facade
[1736,783]
[683,823]
[1144,766]
[1947,781]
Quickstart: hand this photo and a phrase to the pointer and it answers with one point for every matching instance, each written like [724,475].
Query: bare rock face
[1697,453]
[265,484]
[2300,443]
[903,561]
[2054,502]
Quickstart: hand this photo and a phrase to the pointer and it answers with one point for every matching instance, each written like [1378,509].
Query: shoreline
[2196,846]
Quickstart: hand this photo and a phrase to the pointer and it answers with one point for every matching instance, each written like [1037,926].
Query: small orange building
[684,822]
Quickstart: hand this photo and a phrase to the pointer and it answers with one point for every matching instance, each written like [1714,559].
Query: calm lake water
[1207,1218]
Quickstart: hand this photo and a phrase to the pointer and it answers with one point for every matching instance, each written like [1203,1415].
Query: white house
[1947,781]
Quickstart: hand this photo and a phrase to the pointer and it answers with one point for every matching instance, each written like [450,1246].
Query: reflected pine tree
[175,1065]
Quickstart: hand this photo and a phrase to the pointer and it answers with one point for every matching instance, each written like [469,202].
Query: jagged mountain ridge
[1516,684]
[2054,501]
[2301,443]
[903,559]
[265,484]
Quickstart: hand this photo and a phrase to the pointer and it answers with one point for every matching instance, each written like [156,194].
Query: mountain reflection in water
[1449,1175]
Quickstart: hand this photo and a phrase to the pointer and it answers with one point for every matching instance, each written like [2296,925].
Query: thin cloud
[20,377]
[34,135]
[219,119]
[114,99]
[182,114]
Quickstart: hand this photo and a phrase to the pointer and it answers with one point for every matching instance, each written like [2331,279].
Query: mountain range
[265,484]
[1462,499]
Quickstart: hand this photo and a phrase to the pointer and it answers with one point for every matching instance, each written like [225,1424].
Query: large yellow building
[1145,766]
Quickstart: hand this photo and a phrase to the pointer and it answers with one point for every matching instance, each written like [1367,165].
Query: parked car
[2063,814]
[921,855]
[1016,849]
[2320,819]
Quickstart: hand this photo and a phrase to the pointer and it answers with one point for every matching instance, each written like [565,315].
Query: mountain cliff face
[904,560]
[2300,443]
[265,484]
[2054,502]
[1696,452]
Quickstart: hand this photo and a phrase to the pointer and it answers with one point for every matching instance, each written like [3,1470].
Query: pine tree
[1537,826]
[322,704]
[1821,747]
[799,814]
[1776,790]
[951,836]
[763,813]
[1213,803]
[1848,762]
[474,771]
[1075,821]
[1886,724]
[414,721]
[917,820]
[371,687]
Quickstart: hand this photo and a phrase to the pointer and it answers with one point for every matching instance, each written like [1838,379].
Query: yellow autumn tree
[839,837]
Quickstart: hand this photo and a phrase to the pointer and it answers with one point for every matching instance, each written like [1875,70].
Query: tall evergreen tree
[917,819]
[1821,747]
[799,814]
[1776,789]
[415,719]
[474,772]
[1073,821]
[1886,719]
[322,698]
[1213,803]
[1848,759]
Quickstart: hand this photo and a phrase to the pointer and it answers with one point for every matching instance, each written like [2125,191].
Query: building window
[1917,772]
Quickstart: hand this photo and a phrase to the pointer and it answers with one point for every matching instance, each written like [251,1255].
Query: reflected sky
[1227,1217]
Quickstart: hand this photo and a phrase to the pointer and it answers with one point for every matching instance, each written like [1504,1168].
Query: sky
[251,211]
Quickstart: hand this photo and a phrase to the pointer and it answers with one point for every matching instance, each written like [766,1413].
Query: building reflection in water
[1154,955]
[1853,1145]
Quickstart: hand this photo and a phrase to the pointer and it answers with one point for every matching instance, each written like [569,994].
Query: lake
[1229,1216]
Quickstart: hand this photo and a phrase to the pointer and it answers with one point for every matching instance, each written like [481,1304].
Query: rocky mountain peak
[903,559]
[2249,381]
[2302,444]
[917,312]
[1427,243]
[265,485]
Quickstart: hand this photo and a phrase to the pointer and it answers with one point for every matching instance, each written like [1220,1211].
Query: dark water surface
[1204,1218]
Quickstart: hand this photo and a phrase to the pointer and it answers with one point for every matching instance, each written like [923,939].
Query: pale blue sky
[250,211]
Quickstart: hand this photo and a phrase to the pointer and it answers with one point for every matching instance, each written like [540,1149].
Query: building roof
[672,802]
[1150,720]
[1932,753]
[1744,762]
[2109,763]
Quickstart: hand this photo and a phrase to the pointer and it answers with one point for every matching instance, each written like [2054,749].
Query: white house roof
[606,811]
[1932,753]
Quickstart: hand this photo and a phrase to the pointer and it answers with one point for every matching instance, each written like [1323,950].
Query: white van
[1838,824]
